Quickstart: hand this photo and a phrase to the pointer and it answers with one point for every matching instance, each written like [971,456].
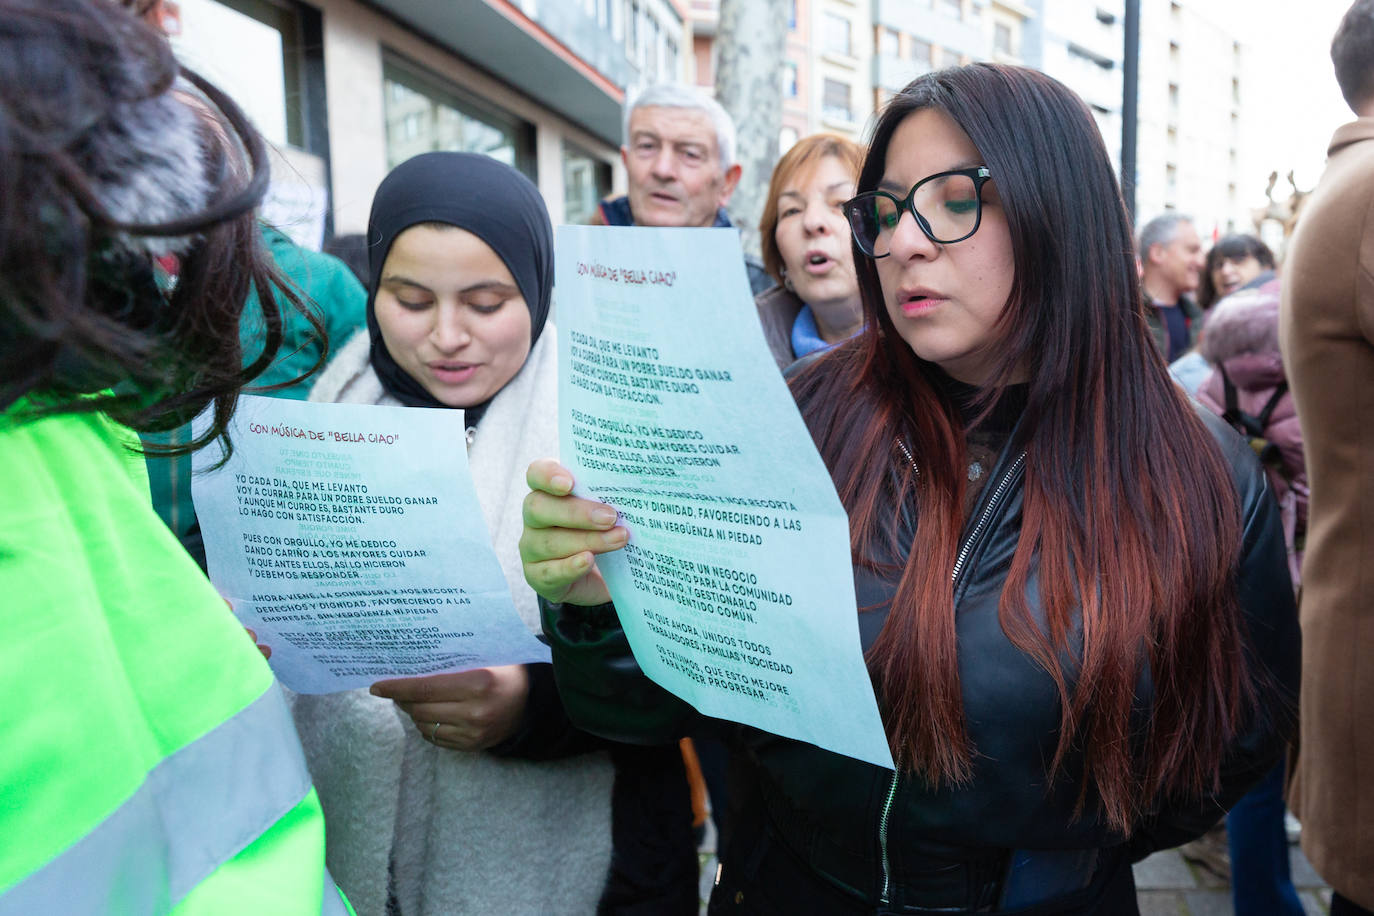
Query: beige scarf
[467,832]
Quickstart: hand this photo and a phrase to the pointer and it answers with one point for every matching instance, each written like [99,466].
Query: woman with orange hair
[805,242]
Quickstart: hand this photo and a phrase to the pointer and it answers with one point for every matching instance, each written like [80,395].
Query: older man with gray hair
[679,154]
[1171,262]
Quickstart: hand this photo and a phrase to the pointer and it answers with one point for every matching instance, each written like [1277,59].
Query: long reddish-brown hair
[1129,517]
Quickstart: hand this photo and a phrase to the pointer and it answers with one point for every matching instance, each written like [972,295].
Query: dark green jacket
[1192,314]
[324,284]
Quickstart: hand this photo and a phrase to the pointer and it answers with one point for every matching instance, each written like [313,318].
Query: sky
[1297,92]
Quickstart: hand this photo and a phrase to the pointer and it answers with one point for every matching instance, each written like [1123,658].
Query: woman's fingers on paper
[557,579]
[468,711]
[434,688]
[540,544]
[540,510]
[265,650]
[548,475]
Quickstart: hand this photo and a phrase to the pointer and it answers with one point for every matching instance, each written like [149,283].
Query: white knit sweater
[467,832]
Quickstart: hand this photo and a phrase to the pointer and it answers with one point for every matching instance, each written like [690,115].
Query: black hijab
[487,198]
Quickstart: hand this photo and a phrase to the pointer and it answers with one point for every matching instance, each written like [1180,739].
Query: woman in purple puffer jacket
[1241,339]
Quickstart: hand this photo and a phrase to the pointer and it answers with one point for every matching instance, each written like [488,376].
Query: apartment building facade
[345,89]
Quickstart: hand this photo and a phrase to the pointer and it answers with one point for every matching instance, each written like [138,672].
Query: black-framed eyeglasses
[948,206]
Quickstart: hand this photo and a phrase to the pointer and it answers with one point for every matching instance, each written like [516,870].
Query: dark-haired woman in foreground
[1074,600]
[150,764]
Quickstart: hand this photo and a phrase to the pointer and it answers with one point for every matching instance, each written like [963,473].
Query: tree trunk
[749,57]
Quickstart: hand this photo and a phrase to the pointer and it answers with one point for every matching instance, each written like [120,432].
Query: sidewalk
[1166,885]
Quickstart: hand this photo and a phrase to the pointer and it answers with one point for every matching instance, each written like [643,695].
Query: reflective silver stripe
[333,898]
[196,810]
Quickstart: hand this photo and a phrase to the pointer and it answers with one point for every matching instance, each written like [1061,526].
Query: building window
[1001,38]
[835,104]
[424,114]
[889,42]
[837,38]
[952,8]
[252,50]
[670,59]
[789,79]
[920,51]
[586,180]
[655,62]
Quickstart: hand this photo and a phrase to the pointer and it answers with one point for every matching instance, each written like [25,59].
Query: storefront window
[251,50]
[423,115]
[586,180]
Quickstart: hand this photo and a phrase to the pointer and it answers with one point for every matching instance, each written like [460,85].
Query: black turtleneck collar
[1006,412]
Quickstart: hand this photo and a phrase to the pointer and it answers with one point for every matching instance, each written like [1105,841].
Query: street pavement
[1166,885]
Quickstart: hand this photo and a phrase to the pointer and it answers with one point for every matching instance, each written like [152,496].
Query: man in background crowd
[1171,263]
[679,154]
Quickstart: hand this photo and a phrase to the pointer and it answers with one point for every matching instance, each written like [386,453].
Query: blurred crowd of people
[1131,449]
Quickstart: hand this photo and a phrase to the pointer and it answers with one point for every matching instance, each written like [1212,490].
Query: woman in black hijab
[447,800]
[505,256]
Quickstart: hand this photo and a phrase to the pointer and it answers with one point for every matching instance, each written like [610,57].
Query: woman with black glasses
[1072,591]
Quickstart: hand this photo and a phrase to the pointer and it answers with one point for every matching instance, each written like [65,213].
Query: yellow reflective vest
[148,762]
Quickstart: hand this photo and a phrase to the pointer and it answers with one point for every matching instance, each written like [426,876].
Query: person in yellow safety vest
[148,762]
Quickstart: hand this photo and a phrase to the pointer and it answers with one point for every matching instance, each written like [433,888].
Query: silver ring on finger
[434,731]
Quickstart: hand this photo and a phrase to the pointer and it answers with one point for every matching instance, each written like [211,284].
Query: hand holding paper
[735,589]
[350,539]
[562,535]
[468,711]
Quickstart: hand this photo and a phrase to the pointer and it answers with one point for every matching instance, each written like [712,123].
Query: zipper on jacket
[1002,486]
[882,836]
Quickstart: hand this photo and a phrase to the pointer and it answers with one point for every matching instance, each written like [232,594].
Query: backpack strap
[1242,421]
[1273,402]
[1254,427]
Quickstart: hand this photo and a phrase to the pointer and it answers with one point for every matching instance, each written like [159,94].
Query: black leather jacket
[870,832]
